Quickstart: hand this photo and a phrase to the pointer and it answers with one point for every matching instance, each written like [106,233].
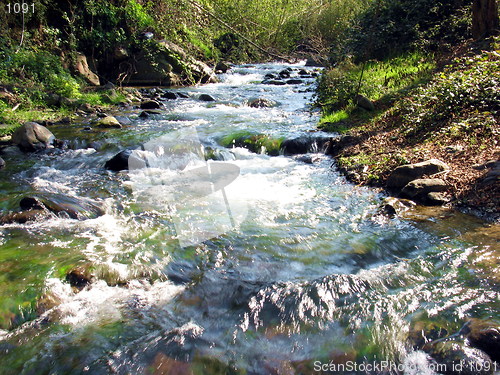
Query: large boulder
[484,335]
[423,186]
[119,162]
[32,137]
[82,67]
[165,63]
[403,174]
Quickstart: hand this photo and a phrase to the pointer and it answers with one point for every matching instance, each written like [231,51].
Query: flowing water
[281,267]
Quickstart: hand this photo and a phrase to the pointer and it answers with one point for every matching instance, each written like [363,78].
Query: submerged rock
[459,358]
[394,206]
[32,137]
[294,81]
[261,103]
[74,207]
[169,95]
[23,217]
[79,277]
[206,98]
[304,145]
[403,174]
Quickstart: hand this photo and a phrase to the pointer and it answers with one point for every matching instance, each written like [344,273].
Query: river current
[278,266]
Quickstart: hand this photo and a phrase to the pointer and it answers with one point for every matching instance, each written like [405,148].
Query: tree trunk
[484,18]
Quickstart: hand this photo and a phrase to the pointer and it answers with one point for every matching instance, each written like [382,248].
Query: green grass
[380,81]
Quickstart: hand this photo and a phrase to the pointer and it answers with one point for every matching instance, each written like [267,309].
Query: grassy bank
[450,113]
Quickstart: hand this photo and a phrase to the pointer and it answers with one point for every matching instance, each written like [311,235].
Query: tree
[484,18]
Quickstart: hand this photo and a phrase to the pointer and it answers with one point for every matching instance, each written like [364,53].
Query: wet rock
[32,137]
[124,120]
[109,122]
[79,277]
[303,145]
[119,162]
[395,206]
[270,76]
[403,174]
[2,163]
[419,188]
[294,82]
[459,358]
[307,159]
[74,207]
[183,95]
[206,98]
[23,217]
[169,95]
[222,66]
[273,82]
[365,103]
[335,145]
[303,72]
[484,335]
[285,73]
[46,302]
[87,108]
[261,103]
[150,104]
[492,176]
[149,112]
[313,62]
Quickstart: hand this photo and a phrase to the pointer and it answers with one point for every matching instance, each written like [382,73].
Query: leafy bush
[395,26]
[467,89]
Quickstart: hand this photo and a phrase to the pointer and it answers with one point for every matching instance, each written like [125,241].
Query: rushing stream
[281,267]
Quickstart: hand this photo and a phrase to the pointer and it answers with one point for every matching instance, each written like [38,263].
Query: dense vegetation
[38,49]
[434,92]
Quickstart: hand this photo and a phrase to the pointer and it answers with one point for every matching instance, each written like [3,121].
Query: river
[279,266]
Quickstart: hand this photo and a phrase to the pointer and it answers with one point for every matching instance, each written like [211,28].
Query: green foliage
[394,26]
[462,98]
[338,86]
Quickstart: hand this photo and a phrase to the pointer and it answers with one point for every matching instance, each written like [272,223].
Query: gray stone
[223,66]
[150,104]
[396,206]
[365,103]
[109,122]
[32,137]
[82,67]
[424,186]
[261,103]
[453,149]
[119,162]
[403,174]
[2,163]
[294,81]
